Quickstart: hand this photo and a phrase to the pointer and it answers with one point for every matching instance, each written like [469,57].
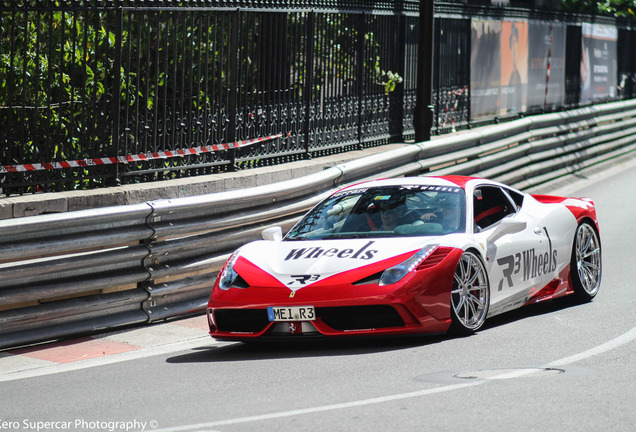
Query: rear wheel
[470,295]
[586,265]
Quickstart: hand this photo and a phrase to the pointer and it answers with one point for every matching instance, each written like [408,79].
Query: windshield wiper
[297,238]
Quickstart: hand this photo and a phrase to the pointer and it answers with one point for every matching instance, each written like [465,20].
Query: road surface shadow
[327,347]
[319,347]
[538,309]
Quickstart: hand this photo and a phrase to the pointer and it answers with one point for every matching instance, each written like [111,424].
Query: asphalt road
[549,367]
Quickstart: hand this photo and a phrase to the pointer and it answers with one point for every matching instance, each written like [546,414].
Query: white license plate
[291,313]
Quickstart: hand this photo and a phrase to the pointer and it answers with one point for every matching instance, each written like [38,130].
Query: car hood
[296,264]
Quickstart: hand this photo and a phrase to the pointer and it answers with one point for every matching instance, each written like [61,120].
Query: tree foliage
[47,80]
[617,8]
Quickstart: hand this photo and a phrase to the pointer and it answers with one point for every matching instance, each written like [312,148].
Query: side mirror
[274,233]
[505,227]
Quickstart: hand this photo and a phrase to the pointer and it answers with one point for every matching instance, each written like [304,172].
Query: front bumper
[378,319]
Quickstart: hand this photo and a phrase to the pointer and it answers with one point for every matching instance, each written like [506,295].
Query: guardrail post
[149,262]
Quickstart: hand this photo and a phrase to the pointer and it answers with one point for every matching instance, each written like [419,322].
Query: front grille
[241,320]
[341,318]
[360,317]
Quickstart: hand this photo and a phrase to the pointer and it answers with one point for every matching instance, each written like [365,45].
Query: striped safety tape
[135,158]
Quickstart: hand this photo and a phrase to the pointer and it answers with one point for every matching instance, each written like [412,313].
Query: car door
[509,236]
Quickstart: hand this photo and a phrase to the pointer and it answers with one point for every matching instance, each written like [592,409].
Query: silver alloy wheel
[587,257]
[470,296]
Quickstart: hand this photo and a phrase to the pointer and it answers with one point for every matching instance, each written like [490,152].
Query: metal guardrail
[84,271]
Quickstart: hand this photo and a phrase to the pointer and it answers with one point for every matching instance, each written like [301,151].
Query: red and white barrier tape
[134,158]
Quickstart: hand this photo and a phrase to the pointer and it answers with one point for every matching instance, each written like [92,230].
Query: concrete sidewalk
[104,348]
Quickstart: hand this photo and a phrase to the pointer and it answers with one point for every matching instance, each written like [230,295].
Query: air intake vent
[241,320]
[435,258]
[373,279]
[360,317]
[240,283]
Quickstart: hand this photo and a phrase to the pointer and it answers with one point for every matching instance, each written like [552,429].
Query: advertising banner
[598,62]
[485,67]
[546,64]
[516,65]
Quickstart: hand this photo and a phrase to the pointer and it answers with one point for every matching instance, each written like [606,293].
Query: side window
[516,197]
[490,205]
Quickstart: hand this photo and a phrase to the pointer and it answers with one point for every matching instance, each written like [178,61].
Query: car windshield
[392,211]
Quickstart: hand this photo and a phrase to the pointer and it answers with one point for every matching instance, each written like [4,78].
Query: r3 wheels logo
[532,263]
[303,279]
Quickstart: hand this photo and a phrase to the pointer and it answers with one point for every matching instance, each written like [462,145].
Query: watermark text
[77,424]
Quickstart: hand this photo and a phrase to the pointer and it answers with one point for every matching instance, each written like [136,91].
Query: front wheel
[585,265]
[470,295]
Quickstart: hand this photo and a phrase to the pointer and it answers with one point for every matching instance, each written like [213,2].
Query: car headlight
[228,275]
[396,273]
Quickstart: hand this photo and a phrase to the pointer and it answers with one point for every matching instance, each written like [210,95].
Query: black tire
[470,295]
[586,265]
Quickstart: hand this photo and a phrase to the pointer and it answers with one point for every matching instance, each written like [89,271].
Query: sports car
[408,256]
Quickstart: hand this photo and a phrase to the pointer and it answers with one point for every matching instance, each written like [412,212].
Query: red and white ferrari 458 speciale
[407,256]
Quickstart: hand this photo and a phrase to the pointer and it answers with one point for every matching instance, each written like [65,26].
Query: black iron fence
[97,93]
